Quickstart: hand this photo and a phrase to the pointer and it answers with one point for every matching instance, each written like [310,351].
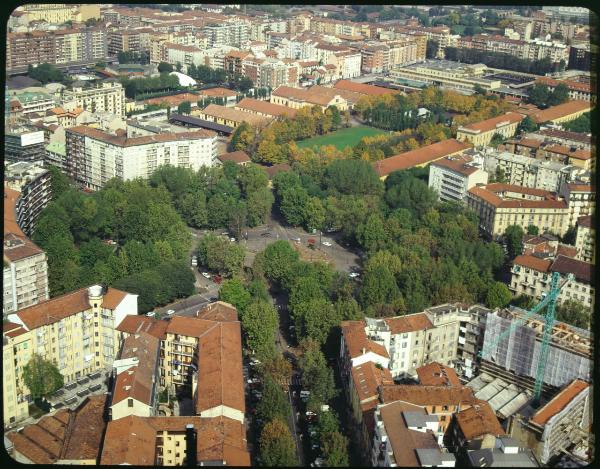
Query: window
[130,402]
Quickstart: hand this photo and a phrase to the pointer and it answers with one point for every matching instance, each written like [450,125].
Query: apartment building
[34,102]
[564,422]
[182,54]
[169,441]
[60,13]
[75,330]
[439,34]
[109,96]
[95,156]
[420,157]
[135,390]
[523,49]
[25,274]
[233,34]
[33,183]
[481,133]
[122,40]
[56,47]
[577,91]
[453,176]
[524,171]
[501,205]
[375,58]
[581,199]
[531,276]
[23,143]
[347,64]
[405,436]
[16,348]
[585,240]
[452,75]
[512,346]
[403,51]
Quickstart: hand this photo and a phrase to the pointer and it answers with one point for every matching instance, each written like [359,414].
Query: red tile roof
[562,110]
[357,341]
[134,324]
[123,141]
[436,374]
[55,309]
[10,219]
[532,262]
[583,271]
[585,221]
[428,395]
[220,92]
[265,107]
[367,378]
[237,157]
[19,247]
[419,156]
[460,164]
[478,421]
[559,402]
[409,323]
[362,88]
[495,122]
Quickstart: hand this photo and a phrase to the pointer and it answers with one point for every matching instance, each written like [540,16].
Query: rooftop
[436,374]
[237,157]
[461,164]
[420,156]
[562,110]
[60,307]
[478,420]
[357,342]
[235,115]
[367,377]
[493,123]
[428,395]
[559,402]
[362,88]
[409,323]
[265,107]
[123,141]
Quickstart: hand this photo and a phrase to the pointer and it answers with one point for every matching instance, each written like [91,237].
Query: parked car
[266,234]
[326,243]
[205,274]
[151,314]
[297,239]
[305,394]
[232,239]
[354,275]
[311,414]
[171,311]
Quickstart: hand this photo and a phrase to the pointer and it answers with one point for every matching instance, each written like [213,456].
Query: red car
[217,279]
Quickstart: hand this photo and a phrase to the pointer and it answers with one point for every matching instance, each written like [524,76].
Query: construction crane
[549,302]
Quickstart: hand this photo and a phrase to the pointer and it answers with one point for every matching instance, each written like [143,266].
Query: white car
[232,240]
[205,274]
[354,275]
[326,243]
[171,311]
[150,314]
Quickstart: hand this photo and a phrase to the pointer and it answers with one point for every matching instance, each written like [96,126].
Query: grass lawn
[341,138]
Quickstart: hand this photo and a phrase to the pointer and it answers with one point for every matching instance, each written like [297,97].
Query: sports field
[341,138]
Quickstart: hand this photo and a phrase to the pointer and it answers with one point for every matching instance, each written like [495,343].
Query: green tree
[274,403]
[559,95]
[165,67]
[233,291]
[277,448]
[497,139]
[478,89]
[41,377]
[242,137]
[315,318]
[527,125]
[539,95]
[260,322]
[317,377]
[533,230]
[335,449]
[513,236]
[498,296]
[575,313]
[184,108]
[314,214]
[379,287]
[280,261]
[59,182]
[371,234]
[277,368]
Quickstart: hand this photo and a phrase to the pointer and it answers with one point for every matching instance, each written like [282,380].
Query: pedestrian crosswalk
[293,381]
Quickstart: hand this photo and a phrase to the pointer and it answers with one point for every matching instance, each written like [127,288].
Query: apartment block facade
[501,205]
[531,276]
[585,240]
[481,133]
[229,34]
[453,176]
[76,331]
[107,97]
[55,47]
[524,171]
[95,156]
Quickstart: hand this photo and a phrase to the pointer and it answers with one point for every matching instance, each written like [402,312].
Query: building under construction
[514,359]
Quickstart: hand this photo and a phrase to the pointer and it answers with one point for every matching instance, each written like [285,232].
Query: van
[304,394]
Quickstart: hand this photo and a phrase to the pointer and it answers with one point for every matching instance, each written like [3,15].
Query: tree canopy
[41,377]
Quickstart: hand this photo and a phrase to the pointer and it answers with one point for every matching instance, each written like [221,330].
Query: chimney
[190,445]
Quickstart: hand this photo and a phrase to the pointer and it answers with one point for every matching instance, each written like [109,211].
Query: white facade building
[453,176]
[108,97]
[96,156]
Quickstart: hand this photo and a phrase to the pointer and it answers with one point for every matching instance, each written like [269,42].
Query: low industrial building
[420,157]
[565,112]
[231,117]
[481,133]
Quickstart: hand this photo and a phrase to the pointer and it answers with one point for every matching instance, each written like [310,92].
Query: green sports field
[341,138]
